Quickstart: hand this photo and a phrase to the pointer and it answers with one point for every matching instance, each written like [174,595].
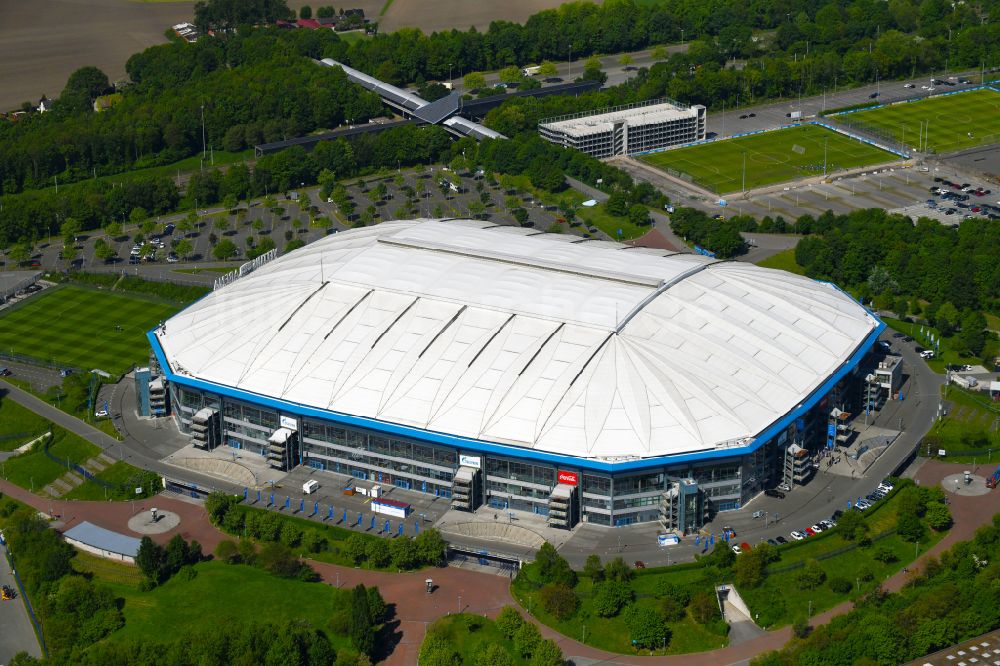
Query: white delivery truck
[531,71]
[310,486]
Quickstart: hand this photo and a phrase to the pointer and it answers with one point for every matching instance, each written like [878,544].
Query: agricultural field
[771,157]
[83,328]
[951,122]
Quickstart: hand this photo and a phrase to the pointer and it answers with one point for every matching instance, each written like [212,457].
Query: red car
[810,531]
[745,546]
[976,209]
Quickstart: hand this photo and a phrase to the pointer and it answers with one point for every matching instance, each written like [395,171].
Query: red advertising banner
[569,478]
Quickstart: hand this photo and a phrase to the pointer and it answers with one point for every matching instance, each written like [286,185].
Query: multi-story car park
[545,373]
[627,130]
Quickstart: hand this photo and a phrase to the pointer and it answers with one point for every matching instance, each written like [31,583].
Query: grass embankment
[219,593]
[34,470]
[970,432]
[946,354]
[18,425]
[471,635]
[777,601]
[783,261]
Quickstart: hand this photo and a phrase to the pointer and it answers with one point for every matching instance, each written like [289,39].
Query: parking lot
[402,195]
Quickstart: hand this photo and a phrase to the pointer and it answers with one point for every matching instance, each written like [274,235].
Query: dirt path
[475,592]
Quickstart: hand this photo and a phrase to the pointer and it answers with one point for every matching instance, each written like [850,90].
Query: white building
[627,130]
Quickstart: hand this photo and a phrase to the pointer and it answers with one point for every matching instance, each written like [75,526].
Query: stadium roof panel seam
[426,324]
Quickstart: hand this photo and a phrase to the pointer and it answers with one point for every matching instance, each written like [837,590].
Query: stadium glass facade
[523,482]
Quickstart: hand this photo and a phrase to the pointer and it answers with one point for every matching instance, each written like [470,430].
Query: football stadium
[504,367]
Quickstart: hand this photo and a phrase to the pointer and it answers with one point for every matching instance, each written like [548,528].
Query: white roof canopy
[545,341]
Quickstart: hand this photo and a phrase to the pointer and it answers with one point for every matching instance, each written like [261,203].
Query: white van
[310,486]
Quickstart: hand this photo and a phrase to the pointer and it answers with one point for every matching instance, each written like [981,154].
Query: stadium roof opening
[505,335]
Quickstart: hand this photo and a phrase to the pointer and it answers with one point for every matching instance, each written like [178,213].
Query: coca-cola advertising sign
[569,478]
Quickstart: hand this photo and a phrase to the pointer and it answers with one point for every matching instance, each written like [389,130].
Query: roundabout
[965,484]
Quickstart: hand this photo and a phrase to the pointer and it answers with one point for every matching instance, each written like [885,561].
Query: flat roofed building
[627,130]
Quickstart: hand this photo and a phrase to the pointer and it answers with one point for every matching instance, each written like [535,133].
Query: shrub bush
[559,600]
[839,585]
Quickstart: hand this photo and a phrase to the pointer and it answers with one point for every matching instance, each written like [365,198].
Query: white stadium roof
[550,342]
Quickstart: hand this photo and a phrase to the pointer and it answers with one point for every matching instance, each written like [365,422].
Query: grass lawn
[125,478]
[783,261]
[972,425]
[219,593]
[76,327]
[949,120]
[771,157]
[34,470]
[471,634]
[945,356]
[18,424]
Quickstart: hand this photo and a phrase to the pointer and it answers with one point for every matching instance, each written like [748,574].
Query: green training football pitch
[951,122]
[771,157]
[83,328]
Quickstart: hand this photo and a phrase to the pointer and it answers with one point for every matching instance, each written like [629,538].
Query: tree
[593,568]
[625,60]
[474,81]
[552,567]
[659,53]
[494,655]
[592,70]
[225,249]
[909,527]
[938,516]
[559,600]
[645,627]
[509,621]
[839,584]
[610,597]
[104,251]
[639,215]
[378,553]
[113,229]
[226,551]
[184,248]
[359,621]
[431,547]
[19,253]
[547,653]
[150,559]
[946,318]
[221,224]
[526,639]
[70,229]
[82,87]
[376,606]
[617,569]
[704,608]
[852,525]
[811,575]
[404,554]
[510,74]
[305,12]
[547,69]
[749,568]
[356,548]
[617,204]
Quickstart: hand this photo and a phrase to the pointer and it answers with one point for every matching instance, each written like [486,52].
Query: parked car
[771,492]
[798,536]
[101,413]
[837,514]
[772,542]
[639,564]
[5,372]
[781,540]
[745,546]
[810,531]
[737,550]
[817,528]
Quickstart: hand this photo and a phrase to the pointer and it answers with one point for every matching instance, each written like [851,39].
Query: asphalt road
[16,632]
